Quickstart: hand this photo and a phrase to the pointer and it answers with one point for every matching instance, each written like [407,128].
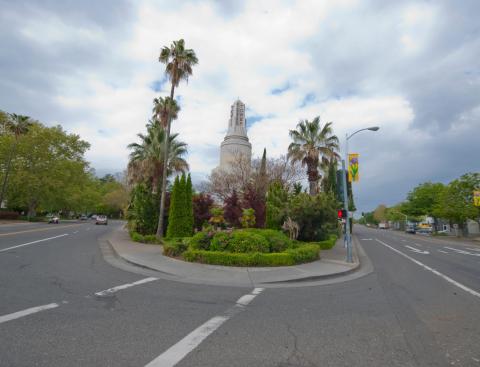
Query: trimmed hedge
[148,238]
[175,247]
[243,242]
[201,241]
[277,241]
[289,257]
[327,244]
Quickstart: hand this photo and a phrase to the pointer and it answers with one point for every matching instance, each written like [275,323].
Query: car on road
[53,219]
[101,219]
[410,229]
[83,217]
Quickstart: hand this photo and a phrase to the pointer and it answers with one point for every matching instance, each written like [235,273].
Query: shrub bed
[148,238]
[289,257]
[327,244]
[175,247]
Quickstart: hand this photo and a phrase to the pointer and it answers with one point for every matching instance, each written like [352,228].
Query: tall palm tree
[312,144]
[17,125]
[146,158]
[162,106]
[179,62]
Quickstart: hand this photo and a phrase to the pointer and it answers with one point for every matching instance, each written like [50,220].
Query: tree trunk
[32,209]
[165,167]
[312,173]
[5,179]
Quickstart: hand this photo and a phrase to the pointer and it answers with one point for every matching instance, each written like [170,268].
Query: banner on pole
[353,175]
[476,198]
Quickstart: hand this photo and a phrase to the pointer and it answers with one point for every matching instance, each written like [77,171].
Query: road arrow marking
[124,286]
[416,250]
[461,251]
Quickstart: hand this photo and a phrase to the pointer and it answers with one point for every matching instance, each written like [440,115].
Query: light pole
[345,195]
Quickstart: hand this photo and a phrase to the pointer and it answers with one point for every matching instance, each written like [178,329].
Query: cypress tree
[189,205]
[182,216]
[173,213]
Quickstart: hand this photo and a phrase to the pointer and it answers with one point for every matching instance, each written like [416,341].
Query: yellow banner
[476,198]
[353,175]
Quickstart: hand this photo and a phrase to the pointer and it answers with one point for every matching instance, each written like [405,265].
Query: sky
[410,67]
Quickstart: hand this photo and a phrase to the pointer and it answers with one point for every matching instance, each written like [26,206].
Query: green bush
[220,241]
[305,253]
[277,241]
[149,238]
[175,247]
[289,257]
[247,242]
[201,241]
[327,244]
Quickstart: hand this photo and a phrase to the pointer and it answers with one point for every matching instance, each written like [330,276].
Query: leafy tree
[311,142]
[248,218]
[456,200]
[252,199]
[232,209]
[316,215]
[179,62]
[380,213]
[202,204]
[189,204]
[179,222]
[217,219]
[423,199]
[276,206]
[17,125]
[164,108]
[143,210]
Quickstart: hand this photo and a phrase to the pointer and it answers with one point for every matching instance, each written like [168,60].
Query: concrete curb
[322,278]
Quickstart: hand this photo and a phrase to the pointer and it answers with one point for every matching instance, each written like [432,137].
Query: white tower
[236,141]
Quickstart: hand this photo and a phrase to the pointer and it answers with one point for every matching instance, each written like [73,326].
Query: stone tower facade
[236,141]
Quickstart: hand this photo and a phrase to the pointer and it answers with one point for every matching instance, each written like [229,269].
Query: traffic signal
[341,213]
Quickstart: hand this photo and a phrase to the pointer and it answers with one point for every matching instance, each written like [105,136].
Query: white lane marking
[124,286]
[416,250]
[404,241]
[33,242]
[436,272]
[461,251]
[28,311]
[75,232]
[473,249]
[178,351]
[443,252]
[366,239]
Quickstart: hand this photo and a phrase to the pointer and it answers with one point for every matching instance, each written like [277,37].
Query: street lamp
[345,195]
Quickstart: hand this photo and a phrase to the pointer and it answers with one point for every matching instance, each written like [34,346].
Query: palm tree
[179,62]
[17,125]
[161,109]
[146,158]
[311,145]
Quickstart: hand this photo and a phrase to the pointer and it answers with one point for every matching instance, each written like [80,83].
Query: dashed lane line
[461,251]
[33,242]
[28,311]
[177,352]
[124,286]
[39,229]
[428,268]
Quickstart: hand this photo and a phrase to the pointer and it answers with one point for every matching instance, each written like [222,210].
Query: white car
[101,219]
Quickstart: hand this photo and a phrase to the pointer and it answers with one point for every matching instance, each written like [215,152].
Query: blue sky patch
[280,90]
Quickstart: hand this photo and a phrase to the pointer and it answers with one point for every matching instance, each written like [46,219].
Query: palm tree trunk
[5,179]
[165,168]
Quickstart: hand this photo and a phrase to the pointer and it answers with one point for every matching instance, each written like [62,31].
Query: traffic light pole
[345,205]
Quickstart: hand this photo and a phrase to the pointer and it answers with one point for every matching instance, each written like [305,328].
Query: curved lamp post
[345,195]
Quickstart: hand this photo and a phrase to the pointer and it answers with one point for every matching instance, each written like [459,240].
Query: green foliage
[220,241]
[277,241]
[302,254]
[277,202]
[149,238]
[217,219]
[143,212]
[174,247]
[327,244]
[201,240]
[423,199]
[180,218]
[248,218]
[316,215]
[242,241]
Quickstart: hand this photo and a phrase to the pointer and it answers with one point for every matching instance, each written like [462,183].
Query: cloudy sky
[410,67]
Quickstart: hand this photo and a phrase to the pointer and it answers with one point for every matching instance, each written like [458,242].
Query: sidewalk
[332,264]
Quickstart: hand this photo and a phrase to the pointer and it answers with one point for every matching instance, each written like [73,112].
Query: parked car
[410,229]
[101,219]
[83,217]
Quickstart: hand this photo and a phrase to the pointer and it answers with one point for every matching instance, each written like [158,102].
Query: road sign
[476,198]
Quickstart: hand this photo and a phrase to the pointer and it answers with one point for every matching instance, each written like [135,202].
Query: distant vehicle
[94,216]
[53,219]
[101,219]
[410,229]
[382,225]
[424,228]
[83,217]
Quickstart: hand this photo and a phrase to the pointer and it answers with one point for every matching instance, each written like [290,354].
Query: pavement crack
[296,357]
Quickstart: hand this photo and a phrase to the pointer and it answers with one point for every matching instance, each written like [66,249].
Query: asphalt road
[62,304]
